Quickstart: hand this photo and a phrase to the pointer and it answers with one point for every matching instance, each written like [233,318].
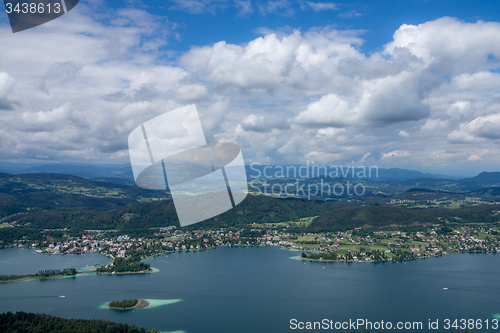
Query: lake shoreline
[121,273]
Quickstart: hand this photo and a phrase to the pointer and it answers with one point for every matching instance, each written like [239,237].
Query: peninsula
[46,274]
[124,266]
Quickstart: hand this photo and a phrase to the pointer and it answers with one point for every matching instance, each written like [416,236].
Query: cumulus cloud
[404,134]
[474,158]
[321,6]
[191,93]
[255,123]
[6,87]
[460,137]
[376,103]
[458,109]
[434,124]
[330,110]
[305,61]
[458,47]
[478,156]
[284,97]
[395,153]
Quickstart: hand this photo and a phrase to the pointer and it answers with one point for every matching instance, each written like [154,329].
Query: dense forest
[254,209]
[22,322]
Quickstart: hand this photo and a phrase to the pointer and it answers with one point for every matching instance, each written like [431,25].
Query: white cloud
[6,84]
[6,87]
[478,156]
[322,157]
[395,153]
[276,6]
[375,103]
[350,14]
[459,109]
[330,110]
[330,132]
[245,7]
[199,6]
[434,125]
[460,137]
[321,6]
[404,134]
[284,97]
[474,158]
[191,93]
[304,61]
[455,46]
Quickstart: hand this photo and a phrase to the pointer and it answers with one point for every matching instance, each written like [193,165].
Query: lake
[259,289]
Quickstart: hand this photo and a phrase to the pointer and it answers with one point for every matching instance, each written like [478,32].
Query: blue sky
[207,22]
[409,84]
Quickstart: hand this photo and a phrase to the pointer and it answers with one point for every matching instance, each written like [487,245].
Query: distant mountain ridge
[371,173]
[484,178]
[87,171]
[122,173]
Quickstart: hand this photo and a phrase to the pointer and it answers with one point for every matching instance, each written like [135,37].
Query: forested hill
[254,209]
[31,193]
[352,216]
[30,203]
[66,184]
[257,209]
[31,322]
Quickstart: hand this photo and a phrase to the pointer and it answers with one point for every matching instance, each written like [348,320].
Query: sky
[411,84]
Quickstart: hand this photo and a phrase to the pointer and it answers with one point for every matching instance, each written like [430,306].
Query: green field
[303,222]
[359,247]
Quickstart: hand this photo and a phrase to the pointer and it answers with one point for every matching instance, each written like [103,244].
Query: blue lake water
[247,289]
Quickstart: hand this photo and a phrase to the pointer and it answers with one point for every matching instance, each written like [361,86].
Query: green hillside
[254,209]
[355,215]
[66,184]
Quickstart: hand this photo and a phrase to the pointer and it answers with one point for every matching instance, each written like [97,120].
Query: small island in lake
[128,304]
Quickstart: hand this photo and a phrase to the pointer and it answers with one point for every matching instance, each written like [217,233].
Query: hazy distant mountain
[400,174]
[302,171]
[88,171]
[115,173]
[437,184]
[484,178]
